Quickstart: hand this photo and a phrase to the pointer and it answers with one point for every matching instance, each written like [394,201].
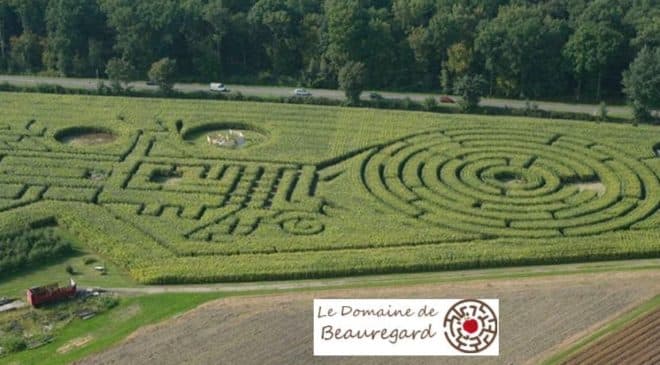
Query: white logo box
[406,327]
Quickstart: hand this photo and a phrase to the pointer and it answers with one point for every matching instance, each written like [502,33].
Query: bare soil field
[538,316]
[637,344]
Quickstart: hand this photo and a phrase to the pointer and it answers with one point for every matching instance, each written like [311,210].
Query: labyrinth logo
[406,327]
[471,326]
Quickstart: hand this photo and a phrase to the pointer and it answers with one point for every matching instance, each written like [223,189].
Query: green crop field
[322,191]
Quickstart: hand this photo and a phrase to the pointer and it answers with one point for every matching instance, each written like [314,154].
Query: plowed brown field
[538,316]
[636,344]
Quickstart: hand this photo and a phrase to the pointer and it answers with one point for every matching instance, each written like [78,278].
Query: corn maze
[322,191]
[516,183]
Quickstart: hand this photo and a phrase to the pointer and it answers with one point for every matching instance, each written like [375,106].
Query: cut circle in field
[511,183]
[85,136]
[226,134]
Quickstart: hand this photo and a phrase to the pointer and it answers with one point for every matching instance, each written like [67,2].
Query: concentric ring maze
[322,191]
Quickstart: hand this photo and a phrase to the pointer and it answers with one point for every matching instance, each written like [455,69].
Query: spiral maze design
[512,183]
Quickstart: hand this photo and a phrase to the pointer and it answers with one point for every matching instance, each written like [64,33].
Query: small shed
[50,293]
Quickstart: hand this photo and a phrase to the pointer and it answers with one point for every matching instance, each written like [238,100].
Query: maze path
[493,182]
[213,199]
[512,183]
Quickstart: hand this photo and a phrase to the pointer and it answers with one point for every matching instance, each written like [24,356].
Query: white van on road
[301,92]
[217,86]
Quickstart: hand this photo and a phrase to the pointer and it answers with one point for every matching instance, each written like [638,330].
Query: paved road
[617,111]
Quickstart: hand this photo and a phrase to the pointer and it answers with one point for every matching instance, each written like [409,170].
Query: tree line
[31,247]
[519,48]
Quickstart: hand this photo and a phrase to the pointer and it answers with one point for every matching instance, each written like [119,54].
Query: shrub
[108,302]
[430,103]
[162,73]
[470,88]
[12,343]
[602,111]
[351,80]
[641,83]
[120,72]
[26,51]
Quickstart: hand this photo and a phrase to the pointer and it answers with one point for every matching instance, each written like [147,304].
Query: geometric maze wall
[494,182]
[393,194]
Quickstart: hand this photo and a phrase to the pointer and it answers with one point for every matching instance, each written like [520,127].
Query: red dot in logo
[471,325]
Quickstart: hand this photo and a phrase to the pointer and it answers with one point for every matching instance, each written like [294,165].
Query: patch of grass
[108,328]
[35,327]
[16,284]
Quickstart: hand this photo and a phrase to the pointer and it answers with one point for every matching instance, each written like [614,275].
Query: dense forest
[522,48]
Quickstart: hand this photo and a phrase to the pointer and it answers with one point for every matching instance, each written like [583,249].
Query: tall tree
[217,20]
[347,25]
[642,83]
[120,72]
[73,27]
[402,43]
[351,79]
[590,49]
[26,52]
[145,30]
[644,16]
[470,88]
[383,60]
[163,72]
[597,49]
[32,14]
[278,25]
[458,63]
[518,46]
[6,18]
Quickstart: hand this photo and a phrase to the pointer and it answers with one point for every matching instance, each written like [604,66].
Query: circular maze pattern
[512,183]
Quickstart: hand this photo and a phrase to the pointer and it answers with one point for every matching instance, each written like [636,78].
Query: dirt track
[537,316]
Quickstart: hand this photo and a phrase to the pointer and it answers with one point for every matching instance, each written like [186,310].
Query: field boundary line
[606,330]
[394,280]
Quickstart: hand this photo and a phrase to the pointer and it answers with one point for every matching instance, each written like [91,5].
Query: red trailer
[50,293]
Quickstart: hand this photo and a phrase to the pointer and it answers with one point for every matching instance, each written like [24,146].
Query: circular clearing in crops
[512,183]
[85,136]
[226,134]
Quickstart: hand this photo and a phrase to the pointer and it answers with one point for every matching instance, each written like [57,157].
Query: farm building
[50,293]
